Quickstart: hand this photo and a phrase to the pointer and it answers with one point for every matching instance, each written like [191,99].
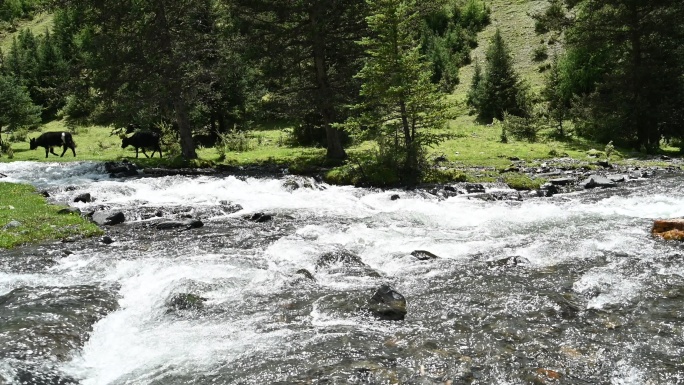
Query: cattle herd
[140,140]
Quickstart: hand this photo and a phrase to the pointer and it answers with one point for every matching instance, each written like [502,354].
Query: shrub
[520,128]
[540,53]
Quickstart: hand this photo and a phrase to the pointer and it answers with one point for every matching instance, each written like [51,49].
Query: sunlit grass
[37,220]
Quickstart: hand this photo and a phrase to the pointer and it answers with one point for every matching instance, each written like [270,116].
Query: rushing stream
[590,297]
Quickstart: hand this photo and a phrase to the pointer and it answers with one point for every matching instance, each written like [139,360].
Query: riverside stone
[598,181]
[388,304]
[108,218]
[669,229]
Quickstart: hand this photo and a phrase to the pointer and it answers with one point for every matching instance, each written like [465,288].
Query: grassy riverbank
[26,217]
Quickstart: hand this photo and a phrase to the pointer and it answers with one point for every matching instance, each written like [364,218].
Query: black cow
[142,140]
[54,139]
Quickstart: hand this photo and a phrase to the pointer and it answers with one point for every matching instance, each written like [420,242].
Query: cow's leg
[144,153]
[73,149]
[52,150]
[47,151]
[136,152]
[64,148]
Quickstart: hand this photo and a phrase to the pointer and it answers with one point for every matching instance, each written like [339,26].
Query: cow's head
[33,144]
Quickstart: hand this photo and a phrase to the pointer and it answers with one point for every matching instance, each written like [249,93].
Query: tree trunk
[184,129]
[335,149]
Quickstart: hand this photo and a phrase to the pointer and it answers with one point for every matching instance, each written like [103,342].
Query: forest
[342,71]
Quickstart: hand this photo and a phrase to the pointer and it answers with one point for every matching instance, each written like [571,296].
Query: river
[570,289]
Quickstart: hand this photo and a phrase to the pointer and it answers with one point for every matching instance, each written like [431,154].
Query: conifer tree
[398,96]
[556,96]
[501,89]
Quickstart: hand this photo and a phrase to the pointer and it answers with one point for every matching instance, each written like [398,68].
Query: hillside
[38,25]
[517,29]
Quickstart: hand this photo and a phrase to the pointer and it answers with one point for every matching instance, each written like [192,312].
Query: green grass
[38,220]
[37,25]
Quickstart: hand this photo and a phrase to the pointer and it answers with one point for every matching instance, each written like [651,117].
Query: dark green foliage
[521,128]
[308,54]
[16,108]
[11,10]
[39,66]
[500,89]
[448,36]
[625,65]
[556,95]
[399,102]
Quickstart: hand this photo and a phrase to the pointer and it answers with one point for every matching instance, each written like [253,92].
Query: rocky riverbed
[226,279]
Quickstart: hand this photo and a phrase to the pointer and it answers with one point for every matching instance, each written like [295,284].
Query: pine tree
[475,92]
[16,108]
[398,96]
[501,89]
[556,96]
[625,63]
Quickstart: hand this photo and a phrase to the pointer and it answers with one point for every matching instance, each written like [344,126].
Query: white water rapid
[597,299]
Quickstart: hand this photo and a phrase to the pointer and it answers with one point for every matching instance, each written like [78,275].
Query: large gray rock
[388,304]
[108,218]
[594,181]
[344,262]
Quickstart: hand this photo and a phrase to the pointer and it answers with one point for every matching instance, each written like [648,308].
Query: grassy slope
[38,26]
[38,220]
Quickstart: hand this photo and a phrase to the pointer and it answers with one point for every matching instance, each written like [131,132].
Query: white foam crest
[50,174]
[140,338]
[611,287]
[625,374]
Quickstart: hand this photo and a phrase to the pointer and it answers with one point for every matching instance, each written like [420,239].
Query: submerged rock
[185,301]
[259,217]
[509,262]
[669,229]
[388,304]
[343,261]
[185,225]
[50,322]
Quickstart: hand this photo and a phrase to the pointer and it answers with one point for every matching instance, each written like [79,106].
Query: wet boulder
[121,169]
[509,262]
[185,301]
[108,218]
[259,217]
[669,229]
[394,197]
[387,304]
[594,181]
[107,240]
[472,188]
[303,277]
[35,375]
[185,225]
[345,262]
[85,198]
[423,255]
